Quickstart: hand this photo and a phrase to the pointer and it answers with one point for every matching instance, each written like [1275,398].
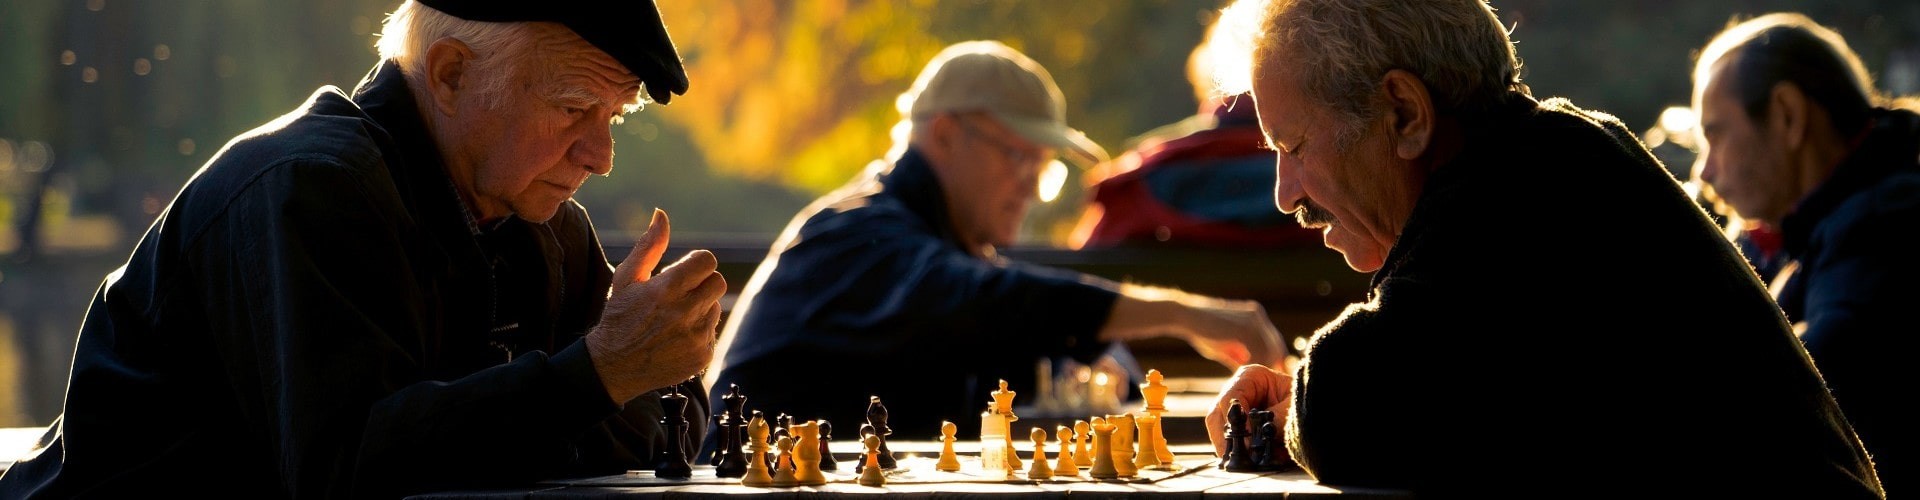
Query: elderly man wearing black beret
[391,291]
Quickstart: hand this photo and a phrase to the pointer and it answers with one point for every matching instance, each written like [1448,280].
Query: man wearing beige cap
[890,286]
[392,291]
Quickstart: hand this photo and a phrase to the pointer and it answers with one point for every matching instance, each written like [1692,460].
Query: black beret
[628,30]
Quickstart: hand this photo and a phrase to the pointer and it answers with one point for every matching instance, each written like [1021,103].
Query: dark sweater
[1502,352]
[1853,241]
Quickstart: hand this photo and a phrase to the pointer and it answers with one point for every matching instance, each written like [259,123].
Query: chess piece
[1103,451]
[1275,456]
[1065,466]
[1143,447]
[1013,457]
[1122,444]
[780,426]
[1040,470]
[1259,444]
[757,464]
[1081,439]
[860,465]
[1239,458]
[764,438]
[993,438]
[731,432]
[726,459]
[783,467]
[870,474]
[877,415]
[1155,394]
[826,452]
[672,459]
[806,455]
[948,462]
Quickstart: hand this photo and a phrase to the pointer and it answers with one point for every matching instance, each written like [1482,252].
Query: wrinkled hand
[1257,387]
[1238,333]
[657,330]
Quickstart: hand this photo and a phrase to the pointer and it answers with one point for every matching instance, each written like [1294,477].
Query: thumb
[647,250]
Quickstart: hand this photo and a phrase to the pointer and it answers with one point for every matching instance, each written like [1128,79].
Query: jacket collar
[911,180]
[1481,132]
[1888,147]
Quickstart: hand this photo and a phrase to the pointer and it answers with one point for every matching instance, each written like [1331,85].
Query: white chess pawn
[870,475]
[1081,440]
[1040,470]
[1065,467]
[948,461]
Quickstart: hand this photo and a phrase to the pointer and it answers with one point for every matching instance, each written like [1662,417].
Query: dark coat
[1857,284]
[1502,353]
[868,292]
[315,315]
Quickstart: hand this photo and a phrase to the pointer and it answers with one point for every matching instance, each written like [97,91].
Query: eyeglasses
[1013,153]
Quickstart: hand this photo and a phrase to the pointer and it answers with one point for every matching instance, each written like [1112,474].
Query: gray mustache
[1313,215]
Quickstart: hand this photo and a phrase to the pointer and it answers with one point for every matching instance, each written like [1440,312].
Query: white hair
[497,47]
[1339,49]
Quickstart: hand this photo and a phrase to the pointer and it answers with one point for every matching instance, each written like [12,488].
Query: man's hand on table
[1257,387]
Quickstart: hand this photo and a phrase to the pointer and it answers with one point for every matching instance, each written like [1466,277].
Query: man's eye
[575,111]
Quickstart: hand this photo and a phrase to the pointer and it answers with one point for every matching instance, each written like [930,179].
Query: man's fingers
[648,249]
[690,271]
[711,323]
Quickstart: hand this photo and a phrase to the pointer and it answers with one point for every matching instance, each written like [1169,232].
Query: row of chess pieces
[787,453]
[1253,441]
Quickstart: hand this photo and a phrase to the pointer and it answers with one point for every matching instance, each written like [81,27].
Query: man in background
[892,285]
[1795,138]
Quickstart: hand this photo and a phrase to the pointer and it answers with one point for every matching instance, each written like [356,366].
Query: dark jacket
[315,315]
[868,292]
[1500,352]
[1854,241]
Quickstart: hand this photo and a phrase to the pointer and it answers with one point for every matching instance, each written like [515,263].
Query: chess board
[913,470]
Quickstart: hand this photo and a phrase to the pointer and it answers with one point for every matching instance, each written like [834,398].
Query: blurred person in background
[892,285]
[1198,182]
[1796,138]
[392,291]
[1496,347]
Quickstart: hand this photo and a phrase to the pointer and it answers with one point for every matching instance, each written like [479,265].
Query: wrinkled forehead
[564,59]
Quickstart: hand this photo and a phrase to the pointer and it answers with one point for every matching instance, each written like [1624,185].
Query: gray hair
[413,27]
[1339,49]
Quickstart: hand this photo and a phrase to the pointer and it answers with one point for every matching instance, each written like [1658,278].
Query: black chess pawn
[1260,444]
[866,429]
[877,415]
[1276,457]
[672,461]
[1239,458]
[826,454]
[780,424]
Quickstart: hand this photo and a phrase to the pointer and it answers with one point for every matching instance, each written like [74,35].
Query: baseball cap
[628,30]
[984,75]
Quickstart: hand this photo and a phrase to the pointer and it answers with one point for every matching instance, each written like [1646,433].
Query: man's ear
[1409,112]
[1788,114]
[447,62]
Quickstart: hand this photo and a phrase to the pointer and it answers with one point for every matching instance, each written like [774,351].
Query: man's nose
[594,150]
[1286,191]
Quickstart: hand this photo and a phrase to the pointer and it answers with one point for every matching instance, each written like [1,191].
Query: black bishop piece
[877,415]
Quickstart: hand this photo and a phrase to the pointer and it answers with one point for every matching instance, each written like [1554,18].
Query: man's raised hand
[657,330]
